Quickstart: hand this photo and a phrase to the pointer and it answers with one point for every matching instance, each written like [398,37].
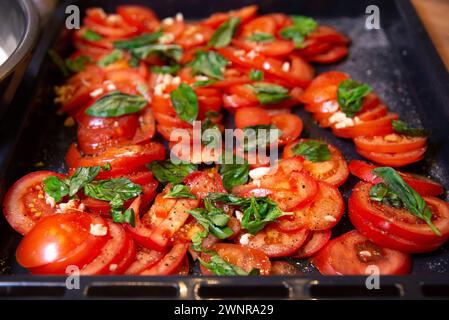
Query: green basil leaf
[130,217]
[313,150]
[91,35]
[172,69]
[381,193]
[261,37]
[235,173]
[268,93]
[402,127]
[220,267]
[139,41]
[166,52]
[113,189]
[185,102]
[255,75]
[179,191]
[116,104]
[204,83]
[259,136]
[411,199]
[210,63]
[168,172]
[77,64]
[81,177]
[55,188]
[106,167]
[350,96]
[302,26]
[114,56]
[211,133]
[223,35]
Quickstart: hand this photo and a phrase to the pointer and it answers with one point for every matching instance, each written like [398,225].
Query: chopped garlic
[168,21]
[166,38]
[201,78]
[238,215]
[341,120]
[64,206]
[239,52]
[113,267]
[252,54]
[96,92]
[258,173]
[176,81]
[98,229]
[365,253]
[330,218]
[286,67]
[330,106]
[198,37]
[266,66]
[113,18]
[392,137]
[244,239]
[50,200]
[179,17]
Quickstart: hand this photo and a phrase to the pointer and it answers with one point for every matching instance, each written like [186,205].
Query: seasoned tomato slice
[324,87]
[353,254]
[143,18]
[316,241]
[399,159]
[245,14]
[283,268]
[391,143]
[145,258]
[202,183]
[170,262]
[251,116]
[290,126]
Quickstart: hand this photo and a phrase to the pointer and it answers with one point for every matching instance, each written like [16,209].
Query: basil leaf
[139,41]
[185,102]
[209,222]
[113,189]
[179,191]
[197,240]
[166,52]
[381,193]
[91,35]
[211,133]
[220,267]
[260,136]
[235,173]
[81,177]
[172,69]
[116,104]
[223,35]
[210,63]
[261,37]
[302,26]
[268,93]
[350,96]
[168,172]
[411,199]
[55,188]
[255,75]
[402,127]
[77,64]
[312,150]
[203,83]
[106,167]
[114,56]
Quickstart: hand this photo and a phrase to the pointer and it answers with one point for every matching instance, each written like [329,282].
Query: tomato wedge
[394,159]
[353,254]
[251,116]
[290,126]
[316,241]
[324,87]
[144,259]
[392,143]
[243,257]
[170,262]
[381,126]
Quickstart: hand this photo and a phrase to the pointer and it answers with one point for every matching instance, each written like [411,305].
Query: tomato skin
[333,55]
[58,241]
[143,18]
[316,241]
[290,125]
[147,127]
[400,222]
[245,14]
[202,183]
[25,192]
[251,116]
[381,126]
[283,268]
[170,262]
[127,259]
[342,256]
[394,159]
[275,48]
[397,144]
[243,257]
[324,87]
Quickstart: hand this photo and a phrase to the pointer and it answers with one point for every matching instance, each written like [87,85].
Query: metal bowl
[19,27]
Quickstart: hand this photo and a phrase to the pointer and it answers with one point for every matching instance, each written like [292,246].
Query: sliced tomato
[423,185]
[116,27]
[353,254]
[25,202]
[127,259]
[147,127]
[202,183]
[245,14]
[399,159]
[59,241]
[251,116]
[392,143]
[400,221]
[145,258]
[328,34]
[333,55]
[381,126]
[316,241]
[273,48]
[276,243]
[334,171]
[283,268]
[170,262]
[195,35]
[183,269]
[290,126]
[143,18]
[243,257]
[262,24]
[111,254]
[324,87]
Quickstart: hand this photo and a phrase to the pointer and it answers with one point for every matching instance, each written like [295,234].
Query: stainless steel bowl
[19,28]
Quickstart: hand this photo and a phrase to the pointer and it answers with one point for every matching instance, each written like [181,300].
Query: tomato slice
[290,126]
[352,254]
[381,126]
[423,185]
[170,262]
[399,221]
[145,258]
[394,159]
[195,35]
[334,171]
[251,116]
[147,127]
[316,241]
[111,254]
[262,24]
[143,18]
[392,143]
[202,183]
[323,213]
[274,48]
[243,257]
[283,268]
[127,259]
[333,55]
[97,21]
[276,243]
[324,87]
[329,34]
[183,269]
[245,14]
[59,241]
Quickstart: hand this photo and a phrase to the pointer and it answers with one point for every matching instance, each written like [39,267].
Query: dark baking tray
[398,60]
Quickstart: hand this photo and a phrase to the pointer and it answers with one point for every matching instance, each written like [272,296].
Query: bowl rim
[27,41]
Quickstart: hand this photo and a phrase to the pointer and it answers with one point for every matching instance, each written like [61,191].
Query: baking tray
[398,60]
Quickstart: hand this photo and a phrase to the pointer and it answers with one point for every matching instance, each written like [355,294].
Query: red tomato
[334,171]
[202,183]
[195,35]
[352,254]
[251,116]
[183,269]
[381,126]
[333,55]
[262,24]
[283,268]
[127,259]
[274,48]
[424,186]
[143,18]
[147,127]
[290,126]
[324,87]
[243,257]
[116,27]
[392,143]
[401,222]
[316,241]
[59,241]
[322,214]
[399,159]
[329,34]
[170,262]
[25,203]
[112,253]
[245,14]
[276,243]
[145,259]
